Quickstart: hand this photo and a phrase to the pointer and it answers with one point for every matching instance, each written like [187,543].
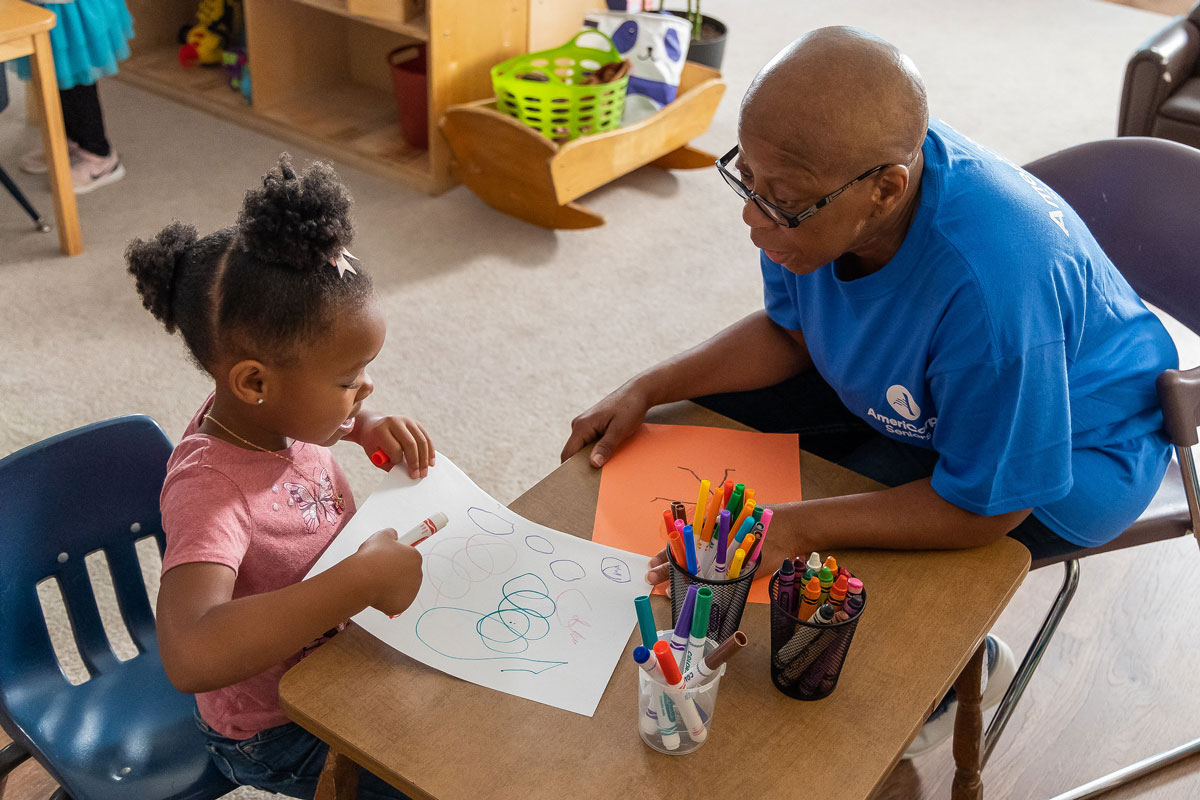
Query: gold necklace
[339,505]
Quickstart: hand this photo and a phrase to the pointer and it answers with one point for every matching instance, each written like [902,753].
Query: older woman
[935,318]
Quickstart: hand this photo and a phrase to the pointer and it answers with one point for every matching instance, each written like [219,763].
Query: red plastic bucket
[409,66]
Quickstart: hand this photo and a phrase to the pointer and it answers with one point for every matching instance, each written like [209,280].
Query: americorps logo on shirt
[901,402]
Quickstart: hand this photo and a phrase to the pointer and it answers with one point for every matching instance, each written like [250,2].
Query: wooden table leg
[968,730]
[339,778]
[54,140]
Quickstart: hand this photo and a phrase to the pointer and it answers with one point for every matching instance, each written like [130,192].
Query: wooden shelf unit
[320,76]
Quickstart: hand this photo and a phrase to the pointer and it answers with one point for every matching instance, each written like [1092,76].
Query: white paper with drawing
[505,603]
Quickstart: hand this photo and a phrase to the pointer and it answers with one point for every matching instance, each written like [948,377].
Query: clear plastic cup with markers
[675,719]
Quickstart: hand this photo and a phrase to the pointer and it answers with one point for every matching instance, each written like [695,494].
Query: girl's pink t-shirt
[265,519]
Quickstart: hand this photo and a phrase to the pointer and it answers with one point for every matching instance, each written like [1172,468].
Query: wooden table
[25,31]
[434,736]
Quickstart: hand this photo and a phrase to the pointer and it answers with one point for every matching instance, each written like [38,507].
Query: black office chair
[1137,196]
[38,222]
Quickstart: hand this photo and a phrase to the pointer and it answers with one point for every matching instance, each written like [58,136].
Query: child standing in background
[285,321]
[91,36]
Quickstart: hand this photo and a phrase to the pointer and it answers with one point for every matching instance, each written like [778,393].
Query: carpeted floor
[500,332]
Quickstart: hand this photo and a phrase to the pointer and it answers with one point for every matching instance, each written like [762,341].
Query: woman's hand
[400,438]
[611,421]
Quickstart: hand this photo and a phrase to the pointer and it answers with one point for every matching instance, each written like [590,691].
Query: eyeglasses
[774,212]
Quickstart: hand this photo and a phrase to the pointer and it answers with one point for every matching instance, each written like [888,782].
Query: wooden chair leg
[54,139]
[339,778]
[686,157]
[968,730]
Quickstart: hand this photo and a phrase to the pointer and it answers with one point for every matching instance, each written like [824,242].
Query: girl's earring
[260,401]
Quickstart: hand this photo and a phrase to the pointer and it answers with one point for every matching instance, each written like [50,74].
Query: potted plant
[708,35]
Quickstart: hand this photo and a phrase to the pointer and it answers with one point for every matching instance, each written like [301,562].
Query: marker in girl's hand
[379,458]
[420,533]
[426,529]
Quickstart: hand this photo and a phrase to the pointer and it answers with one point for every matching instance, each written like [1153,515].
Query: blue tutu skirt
[90,38]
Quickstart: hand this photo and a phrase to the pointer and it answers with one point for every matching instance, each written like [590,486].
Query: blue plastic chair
[126,732]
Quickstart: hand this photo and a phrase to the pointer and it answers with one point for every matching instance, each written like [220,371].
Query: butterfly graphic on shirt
[312,507]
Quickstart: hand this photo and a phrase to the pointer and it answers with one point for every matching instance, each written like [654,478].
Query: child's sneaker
[93,171]
[1001,667]
[34,162]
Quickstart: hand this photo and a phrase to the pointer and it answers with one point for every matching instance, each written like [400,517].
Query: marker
[748,546]
[675,689]
[699,634]
[665,718]
[742,516]
[648,719]
[710,516]
[826,582]
[786,593]
[811,600]
[758,512]
[718,572]
[379,458]
[689,549]
[683,626]
[678,510]
[726,493]
[669,522]
[711,663]
[741,534]
[735,567]
[645,619]
[766,523]
[427,528]
[735,500]
[677,550]
[837,593]
[701,511]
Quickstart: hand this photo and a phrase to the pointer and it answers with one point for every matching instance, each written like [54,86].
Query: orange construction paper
[661,463]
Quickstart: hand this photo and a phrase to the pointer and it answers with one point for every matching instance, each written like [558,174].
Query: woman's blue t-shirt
[1001,336]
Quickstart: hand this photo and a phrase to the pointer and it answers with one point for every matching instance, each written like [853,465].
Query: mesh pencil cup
[806,658]
[728,599]
[672,736]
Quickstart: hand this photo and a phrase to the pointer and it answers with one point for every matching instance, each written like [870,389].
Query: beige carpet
[500,332]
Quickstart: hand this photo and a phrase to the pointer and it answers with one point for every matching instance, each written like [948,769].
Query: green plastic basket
[558,107]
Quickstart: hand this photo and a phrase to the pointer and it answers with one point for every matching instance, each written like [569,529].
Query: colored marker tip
[640,654]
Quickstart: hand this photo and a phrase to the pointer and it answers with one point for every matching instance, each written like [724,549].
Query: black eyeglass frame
[774,212]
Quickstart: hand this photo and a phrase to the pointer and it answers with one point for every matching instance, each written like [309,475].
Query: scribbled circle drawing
[615,569]
[566,570]
[539,544]
[490,522]
[452,564]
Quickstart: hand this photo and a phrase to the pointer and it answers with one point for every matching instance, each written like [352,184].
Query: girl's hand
[392,572]
[401,438]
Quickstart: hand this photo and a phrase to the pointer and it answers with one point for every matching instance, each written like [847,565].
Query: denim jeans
[808,406]
[285,759]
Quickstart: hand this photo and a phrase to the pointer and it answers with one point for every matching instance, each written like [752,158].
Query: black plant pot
[709,52]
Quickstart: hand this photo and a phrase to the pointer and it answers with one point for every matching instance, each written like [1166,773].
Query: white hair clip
[342,262]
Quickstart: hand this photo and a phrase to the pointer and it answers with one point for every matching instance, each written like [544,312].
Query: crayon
[701,510]
[844,571]
[645,618]
[826,582]
[814,561]
[711,663]
[854,604]
[810,602]
[837,593]
[841,615]
[824,615]
[786,593]
[853,586]
[735,567]
[831,562]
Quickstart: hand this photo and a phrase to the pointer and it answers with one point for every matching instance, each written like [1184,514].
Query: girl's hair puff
[264,286]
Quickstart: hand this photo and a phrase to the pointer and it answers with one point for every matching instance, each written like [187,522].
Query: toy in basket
[547,90]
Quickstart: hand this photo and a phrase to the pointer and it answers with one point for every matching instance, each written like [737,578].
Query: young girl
[90,37]
[285,322]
